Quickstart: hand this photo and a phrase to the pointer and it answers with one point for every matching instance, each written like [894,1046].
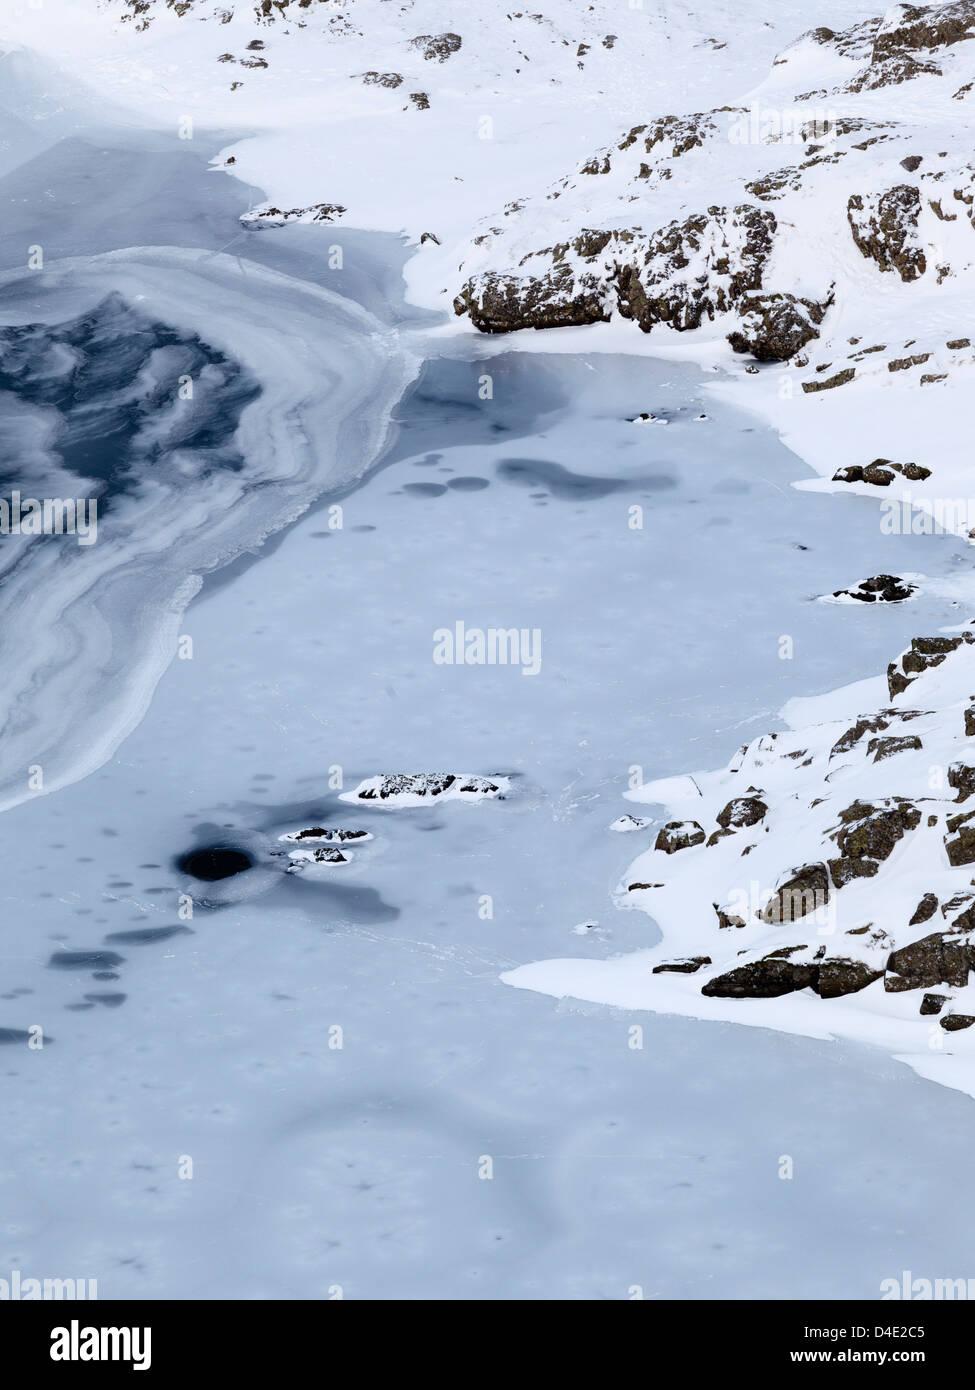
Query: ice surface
[215,1036]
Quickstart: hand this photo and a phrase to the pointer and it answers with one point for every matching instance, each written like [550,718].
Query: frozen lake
[359,1168]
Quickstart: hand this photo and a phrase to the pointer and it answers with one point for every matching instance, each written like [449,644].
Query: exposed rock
[867,835]
[382,79]
[768,978]
[944,957]
[962,778]
[267,215]
[925,910]
[426,786]
[685,965]
[559,299]
[692,270]
[932,1003]
[805,891]
[679,834]
[953,1023]
[839,379]
[301,858]
[884,227]
[882,748]
[923,654]
[420,100]
[901,364]
[961,850]
[839,975]
[728,919]
[626,823]
[438,46]
[741,811]
[774,327]
[322,835]
[880,472]
[882,588]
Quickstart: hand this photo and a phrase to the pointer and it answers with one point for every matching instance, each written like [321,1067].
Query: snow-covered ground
[480,597]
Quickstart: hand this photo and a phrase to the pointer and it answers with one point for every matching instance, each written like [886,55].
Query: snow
[656,661]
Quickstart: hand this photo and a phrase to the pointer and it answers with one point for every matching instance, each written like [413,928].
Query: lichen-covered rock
[774,327]
[922,655]
[925,910]
[679,834]
[953,1023]
[839,975]
[806,890]
[944,957]
[741,811]
[867,835]
[768,978]
[962,778]
[692,270]
[560,298]
[828,383]
[932,1003]
[882,748]
[961,849]
[884,227]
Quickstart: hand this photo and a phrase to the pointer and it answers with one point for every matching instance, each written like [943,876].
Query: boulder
[944,957]
[806,890]
[679,834]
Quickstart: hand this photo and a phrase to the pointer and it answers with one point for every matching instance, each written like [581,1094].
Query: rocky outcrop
[741,811]
[425,787]
[768,978]
[679,835]
[867,836]
[774,327]
[828,383]
[880,472]
[882,588]
[560,298]
[318,834]
[267,215]
[842,975]
[944,957]
[805,890]
[884,227]
[692,270]
[436,46]
[680,275]
[923,654]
